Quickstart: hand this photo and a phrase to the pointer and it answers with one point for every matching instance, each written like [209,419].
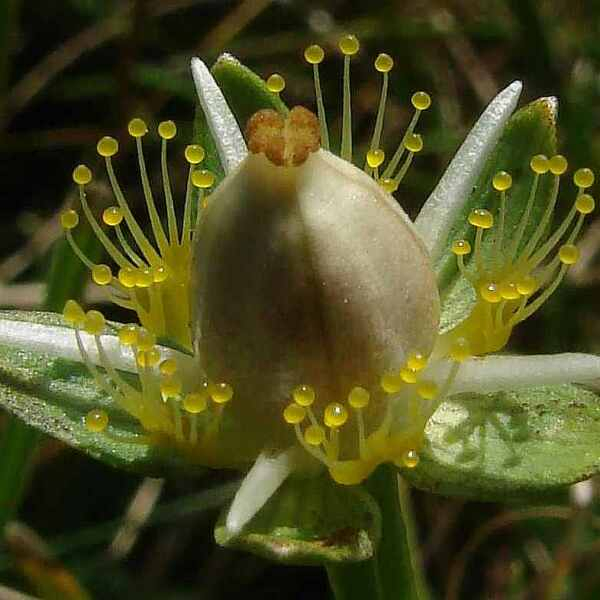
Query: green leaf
[311,521]
[530,131]
[511,445]
[54,395]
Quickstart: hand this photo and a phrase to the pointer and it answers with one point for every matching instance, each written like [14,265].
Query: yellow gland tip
[502,181]
[375,157]
[170,387]
[584,178]
[294,414]
[145,340]
[73,314]
[159,274]
[388,184]
[421,100]
[167,130]
[527,286]
[414,143]
[94,322]
[335,415]
[314,435]
[585,204]
[461,247]
[148,358]
[203,179]
[69,219]
[101,274]
[107,146]
[96,420]
[144,278]
[128,335]
[195,403]
[127,277]
[408,375]
[221,393]
[410,459]
[416,361]
[358,397]
[82,175]
[558,164]
[194,154]
[137,128]
[304,395]
[314,54]
[428,390]
[509,290]
[568,254]
[482,218]
[384,63]
[539,164]
[460,350]
[349,44]
[276,83]
[490,292]
[168,367]
[112,216]
[391,382]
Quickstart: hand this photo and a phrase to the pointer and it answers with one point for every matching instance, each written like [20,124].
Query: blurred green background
[74,70]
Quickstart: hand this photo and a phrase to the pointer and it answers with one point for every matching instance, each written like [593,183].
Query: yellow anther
[137,128]
[584,178]
[375,157]
[416,361]
[482,218]
[82,175]
[335,415]
[421,100]
[490,292]
[159,274]
[509,290]
[144,278]
[194,154]
[427,390]
[304,395]
[203,178]
[502,181]
[414,143]
[148,358]
[127,276]
[276,83]
[167,130]
[558,164]
[568,254]
[145,340]
[527,285]
[408,375]
[94,322]
[585,204]
[294,413]
[388,184]
[410,459]
[195,402]
[461,247]
[96,420]
[107,146]
[314,435]
[460,350]
[221,392]
[384,63]
[539,164]
[168,367]
[101,274]
[358,397]
[128,335]
[73,314]
[69,219]
[314,54]
[391,382]
[349,44]
[112,216]
[170,387]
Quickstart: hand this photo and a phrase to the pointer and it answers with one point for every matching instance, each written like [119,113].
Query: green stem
[355,581]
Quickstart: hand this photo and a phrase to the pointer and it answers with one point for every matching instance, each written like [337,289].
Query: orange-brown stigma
[284,140]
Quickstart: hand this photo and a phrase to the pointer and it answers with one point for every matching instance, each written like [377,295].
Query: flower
[291,318]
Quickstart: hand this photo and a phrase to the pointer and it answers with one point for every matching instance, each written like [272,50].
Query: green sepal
[511,445]
[311,521]
[53,395]
[530,131]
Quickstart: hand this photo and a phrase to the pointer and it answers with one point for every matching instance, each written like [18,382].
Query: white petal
[446,201]
[261,482]
[498,373]
[223,126]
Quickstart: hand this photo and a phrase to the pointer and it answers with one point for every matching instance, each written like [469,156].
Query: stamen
[167,130]
[349,46]
[314,55]
[194,155]
[276,83]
